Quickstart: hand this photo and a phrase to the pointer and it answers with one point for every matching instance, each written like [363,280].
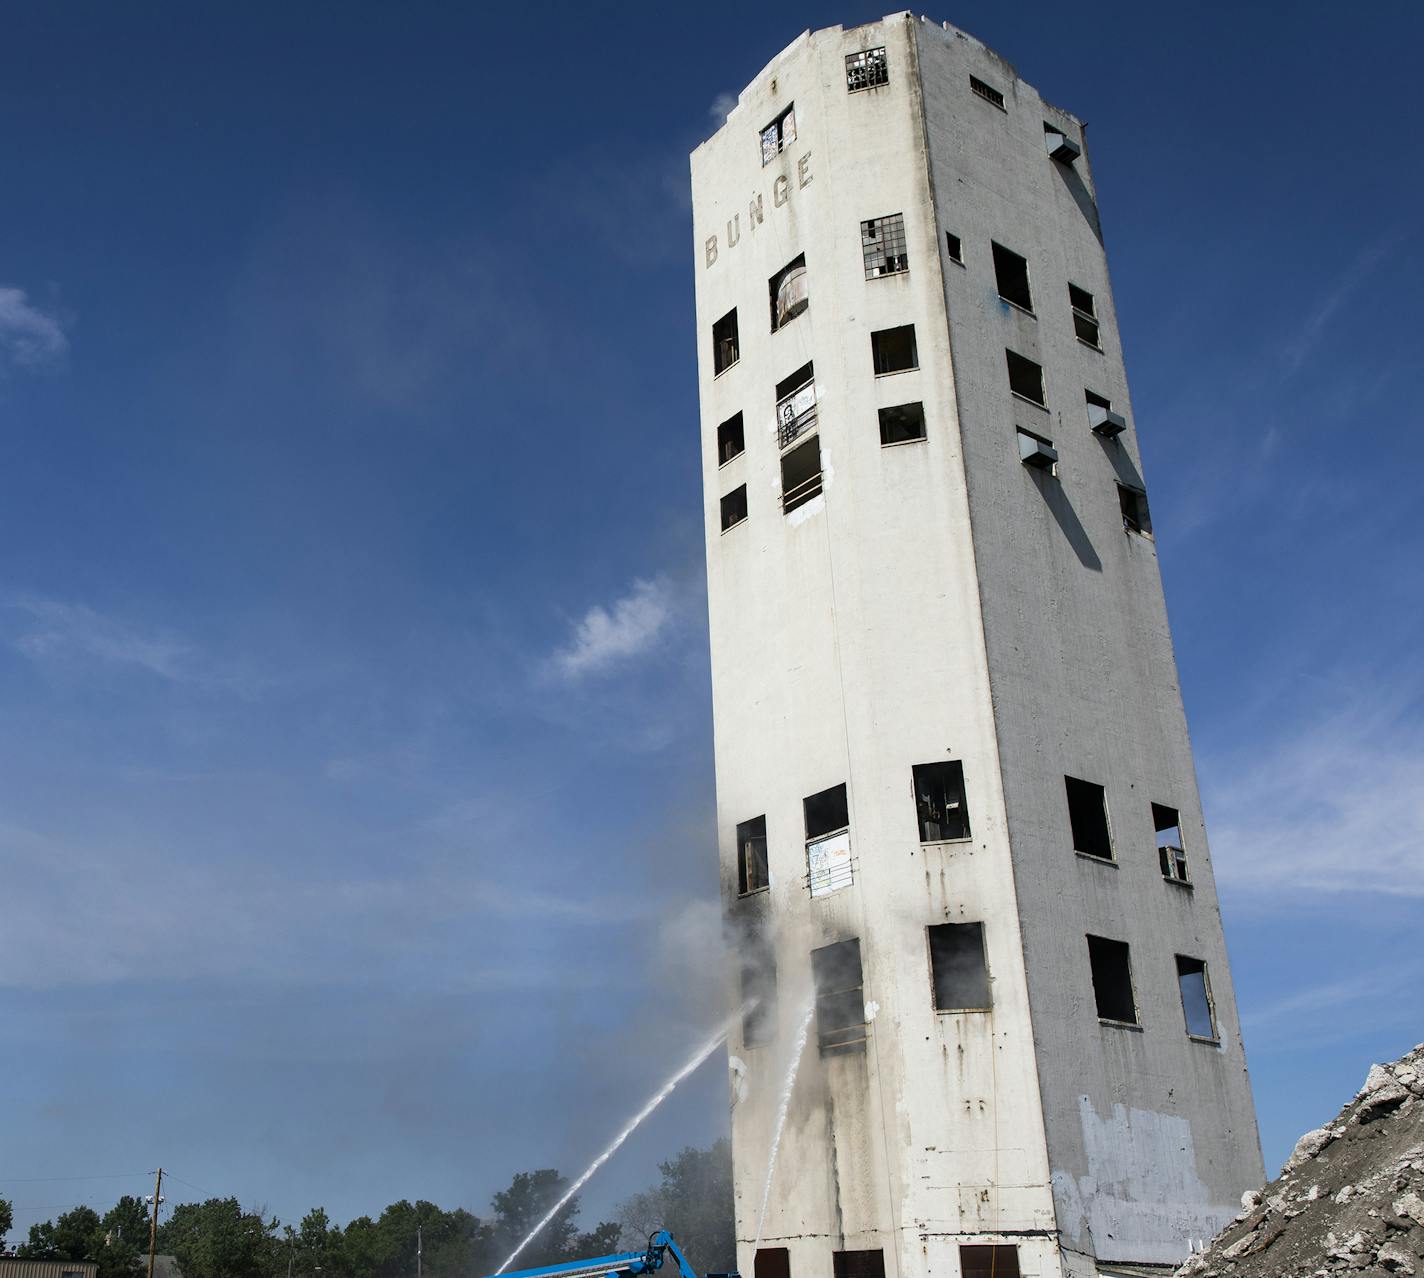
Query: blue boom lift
[628,1262]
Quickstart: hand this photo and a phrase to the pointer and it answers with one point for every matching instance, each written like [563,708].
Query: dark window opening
[1088,815]
[758,995]
[1095,400]
[789,296]
[1112,980]
[858,1264]
[752,873]
[1134,510]
[956,249]
[1025,378]
[902,424]
[826,813]
[801,474]
[882,245]
[772,1262]
[1011,275]
[1196,998]
[939,801]
[840,998]
[1085,316]
[866,69]
[731,439]
[795,404]
[1171,852]
[894,350]
[778,135]
[986,91]
[725,348]
[997,1260]
[960,972]
[734,507]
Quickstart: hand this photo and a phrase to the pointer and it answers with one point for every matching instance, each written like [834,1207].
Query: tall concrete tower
[955,790]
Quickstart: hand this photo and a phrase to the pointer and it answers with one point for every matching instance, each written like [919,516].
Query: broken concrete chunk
[1410,1205]
[1309,1145]
[1398,1261]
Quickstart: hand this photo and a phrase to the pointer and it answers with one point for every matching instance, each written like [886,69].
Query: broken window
[993,1260]
[858,1264]
[902,424]
[758,994]
[731,439]
[955,249]
[778,135]
[1025,378]
[1170,851]
[734,507]
[801,474]
[1196,998]
[826,812]
[752,873]
[866,69]
[725,350]
[840,999]
[893,350]
[986,91]
[772,1262]
[1011,275]
[1134,510]
[1085,316]
[1112,980]
[939,801]
[882,245]
[1088,815]
[959,972]
[795,404]
[788,292]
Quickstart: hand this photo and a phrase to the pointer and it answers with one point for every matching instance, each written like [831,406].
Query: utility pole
[419,1249]
[153,1225]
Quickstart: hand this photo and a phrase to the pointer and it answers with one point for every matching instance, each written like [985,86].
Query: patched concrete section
[1141,1187]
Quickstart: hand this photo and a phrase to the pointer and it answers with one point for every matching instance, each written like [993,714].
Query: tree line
[220,1238]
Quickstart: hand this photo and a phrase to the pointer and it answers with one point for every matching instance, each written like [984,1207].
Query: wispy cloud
[29,336]
[626,628]
[1297,348]
[1338,1010]
[64,631]
[721,108]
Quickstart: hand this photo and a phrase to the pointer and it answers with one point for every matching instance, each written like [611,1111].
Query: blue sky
[355,746]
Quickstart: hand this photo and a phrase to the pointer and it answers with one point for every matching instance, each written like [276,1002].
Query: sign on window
[829,862]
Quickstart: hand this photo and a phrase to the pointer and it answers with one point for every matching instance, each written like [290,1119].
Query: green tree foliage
[694,1202]
[7,1217]
[217,1239]
[76,1235]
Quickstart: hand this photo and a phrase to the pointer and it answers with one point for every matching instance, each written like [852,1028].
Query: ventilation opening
[789,296]
[1196,998]
[960,974]
[1134,510]
[752,873]
[1025,378]
[865,70]
[734,507]
[939,801]
[902,424]
[795,404]
[1112,980]
[725,348]
[1085,316]
[894,350]
[988,1261]
[1171,851]
[882,246]
[840,999]
[731,439]
[986,91]
[1011,275]
[801,474]
[1088,815]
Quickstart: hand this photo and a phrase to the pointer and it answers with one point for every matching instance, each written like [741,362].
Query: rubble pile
[1349,1200]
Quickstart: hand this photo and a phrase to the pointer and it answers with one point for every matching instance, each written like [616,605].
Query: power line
[36,1180]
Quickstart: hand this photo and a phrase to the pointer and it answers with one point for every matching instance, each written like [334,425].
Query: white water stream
[798,1049]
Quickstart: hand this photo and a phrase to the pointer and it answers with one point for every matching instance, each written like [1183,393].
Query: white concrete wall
[849,644]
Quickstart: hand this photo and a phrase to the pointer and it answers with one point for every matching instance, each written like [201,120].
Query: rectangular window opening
[1171,852]
[725,348]
[840,998]
[752,875]
[993,1260]
[778,135]
[902,424]
[1085,316]
[986,91]
[1025,378]
[758,994]
[801,474]
[1197,1006]
[1088,815]
[858,1264]
[789,296]
[894,350]
[1011,275]
[734,507]
[959,971]
[882,246]
[795,404]
[826,812]
[954,247]
[939,801]
[1112,980]
[731,439]
[1135,517]
[772,1262]
[866,70]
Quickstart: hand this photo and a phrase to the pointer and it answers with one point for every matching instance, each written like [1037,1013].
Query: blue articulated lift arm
[614,1266]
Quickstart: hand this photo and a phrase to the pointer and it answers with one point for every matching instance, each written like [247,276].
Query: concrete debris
[1349,1202]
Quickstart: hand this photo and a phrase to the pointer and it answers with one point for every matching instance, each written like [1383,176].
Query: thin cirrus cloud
[30,338]
[57,631]
[606,637]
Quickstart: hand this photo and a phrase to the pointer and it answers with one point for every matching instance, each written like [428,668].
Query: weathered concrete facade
[944,601]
